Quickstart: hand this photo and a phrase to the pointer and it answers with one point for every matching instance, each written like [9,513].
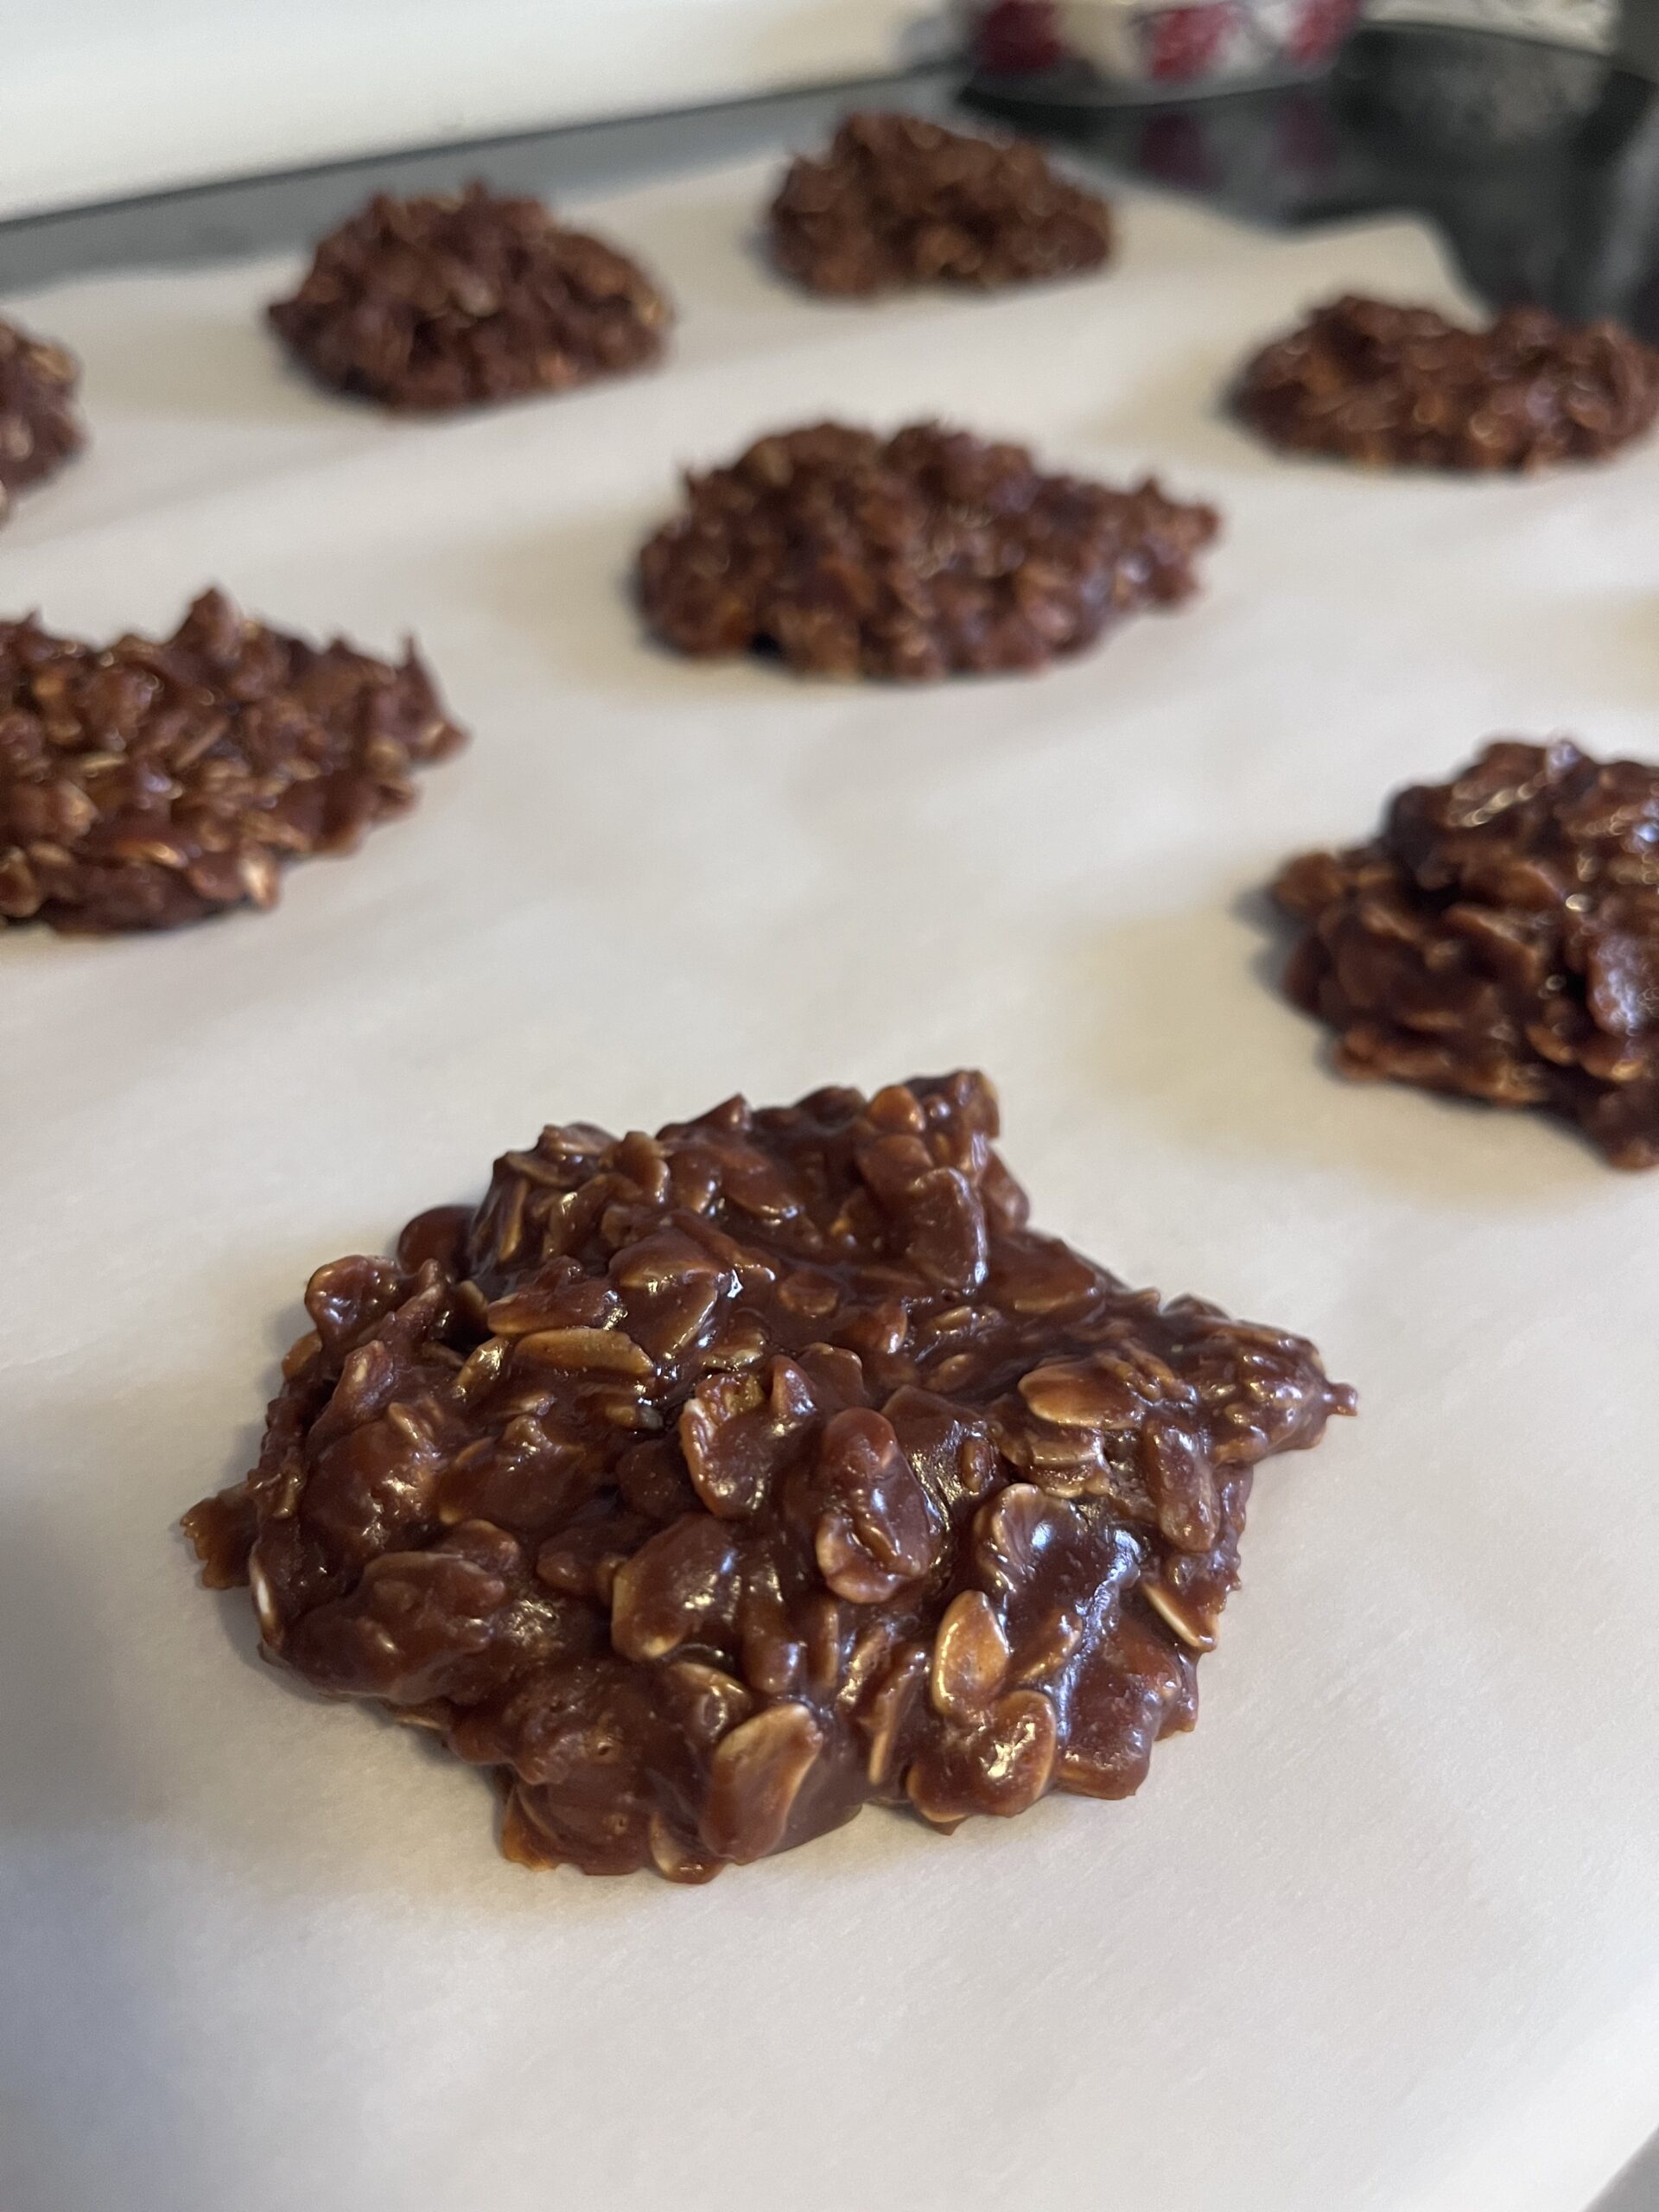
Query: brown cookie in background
[1499,938]
[924,554]
[152,782]
[898,202]
[1401,387]
[457,302]
[40,426]
[708,1486]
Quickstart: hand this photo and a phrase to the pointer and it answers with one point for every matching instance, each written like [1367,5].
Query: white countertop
[103,98]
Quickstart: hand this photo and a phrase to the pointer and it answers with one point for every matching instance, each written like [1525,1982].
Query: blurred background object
[101,97]
[1536,157]
[1104,52]
[1538,161]
[1091,51]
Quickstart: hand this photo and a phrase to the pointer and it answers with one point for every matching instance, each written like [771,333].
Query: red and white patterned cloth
[1193,42]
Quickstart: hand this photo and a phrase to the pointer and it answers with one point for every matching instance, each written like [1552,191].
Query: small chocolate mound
[920,556]
[153,782]
[1402,387]
[427,304]
[1499,939]
[40,428]
[899,201]
[707,1486]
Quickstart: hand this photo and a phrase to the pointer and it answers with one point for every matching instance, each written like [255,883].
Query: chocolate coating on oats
[924,555]
[155,781]
[429,304]
[1500,938]
[706,1485]
[39,428]
[898,202]
[1363,380]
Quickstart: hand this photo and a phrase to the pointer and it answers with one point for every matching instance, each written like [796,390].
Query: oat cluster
[1393,386]
[155,781]
[40,428]
[438,303]
[708,1486]
[924,555]
[1500,938]
[898,202]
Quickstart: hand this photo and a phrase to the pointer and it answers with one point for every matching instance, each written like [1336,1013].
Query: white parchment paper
[1384,1936]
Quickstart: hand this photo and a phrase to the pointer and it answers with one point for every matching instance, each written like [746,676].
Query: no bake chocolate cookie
[1401,387]
[1499,938]
[437,303]
[40,427]
[705,1486]
[898,202]
[155,781]
[924,555]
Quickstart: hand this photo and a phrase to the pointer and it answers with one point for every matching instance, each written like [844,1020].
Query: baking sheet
[1382,1934]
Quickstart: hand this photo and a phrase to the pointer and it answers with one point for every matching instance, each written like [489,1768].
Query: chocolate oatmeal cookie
[1401,387]
[39,428]
[924,554]
[707,1486]
[898,202]
[429,304]
[155,781]
[1500,938]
